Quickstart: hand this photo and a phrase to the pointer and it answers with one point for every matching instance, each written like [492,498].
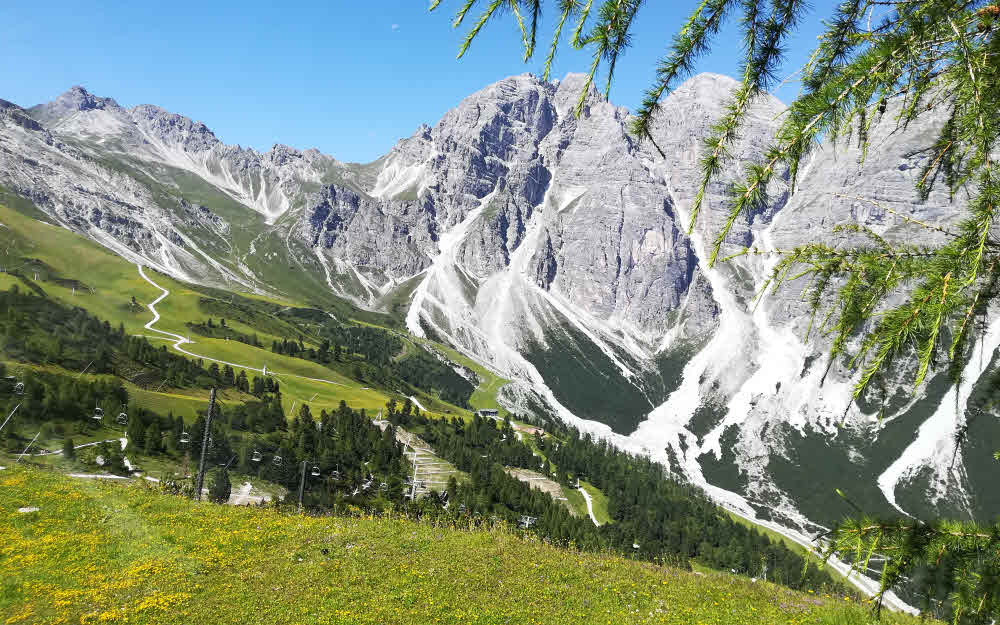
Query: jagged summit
[714,90]
[73,100]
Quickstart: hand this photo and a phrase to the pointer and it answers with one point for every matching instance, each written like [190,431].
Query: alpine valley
[554,251]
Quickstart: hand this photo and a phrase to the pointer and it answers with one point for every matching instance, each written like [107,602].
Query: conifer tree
[220,487]
[906,307]
[154,439]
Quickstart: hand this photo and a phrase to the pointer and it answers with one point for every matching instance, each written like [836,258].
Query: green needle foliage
[909,307]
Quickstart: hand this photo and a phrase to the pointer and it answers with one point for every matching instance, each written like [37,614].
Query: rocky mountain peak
[174,128]
[75,99]
[713,91]
[14,113]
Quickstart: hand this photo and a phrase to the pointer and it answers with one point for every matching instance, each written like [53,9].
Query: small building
[488,413]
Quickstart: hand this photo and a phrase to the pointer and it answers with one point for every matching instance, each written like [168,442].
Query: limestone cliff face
[554,249]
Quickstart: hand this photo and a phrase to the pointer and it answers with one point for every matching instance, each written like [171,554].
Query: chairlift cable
[27,448]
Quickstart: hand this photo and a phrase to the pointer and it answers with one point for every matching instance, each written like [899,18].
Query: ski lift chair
[122,418]
[315,470]
[277,461]
[98,414]
[256,456]
[19,388]
[184,437]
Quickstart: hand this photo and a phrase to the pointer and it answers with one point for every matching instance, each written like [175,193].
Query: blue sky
[345,77]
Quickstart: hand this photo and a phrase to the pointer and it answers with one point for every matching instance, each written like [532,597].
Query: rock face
[554,250]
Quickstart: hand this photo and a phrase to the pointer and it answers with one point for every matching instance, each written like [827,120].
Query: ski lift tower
[204,445]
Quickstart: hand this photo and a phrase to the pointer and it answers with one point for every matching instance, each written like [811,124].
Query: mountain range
[555,250]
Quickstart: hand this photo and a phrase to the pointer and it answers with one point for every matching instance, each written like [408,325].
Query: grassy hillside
[66,267]
[600,502]
[99,552]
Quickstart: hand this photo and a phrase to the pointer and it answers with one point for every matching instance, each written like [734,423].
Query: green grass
[600,502]
[121,552]
[575,501]
[773,535]
[485,395]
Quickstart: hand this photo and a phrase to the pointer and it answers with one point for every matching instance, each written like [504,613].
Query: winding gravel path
[182,340]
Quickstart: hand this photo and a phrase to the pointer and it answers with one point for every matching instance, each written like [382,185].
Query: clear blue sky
[349,78]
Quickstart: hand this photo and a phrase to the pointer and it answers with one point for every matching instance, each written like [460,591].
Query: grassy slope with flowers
[100,552]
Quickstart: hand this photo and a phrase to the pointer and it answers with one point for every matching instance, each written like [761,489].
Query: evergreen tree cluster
[670,521]
[153,435]
[370,354]
[650,508]
[50,397]
[353,456]
[220,330]
[40,330]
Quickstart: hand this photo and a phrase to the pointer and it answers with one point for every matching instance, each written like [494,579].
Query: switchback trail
[182,340]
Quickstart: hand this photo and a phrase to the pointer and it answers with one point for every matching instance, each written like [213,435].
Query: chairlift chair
[257,456]
[335,475]
[19,388]
[98,414]
[277,461]
[184,437]
[122,418]
[315,470]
